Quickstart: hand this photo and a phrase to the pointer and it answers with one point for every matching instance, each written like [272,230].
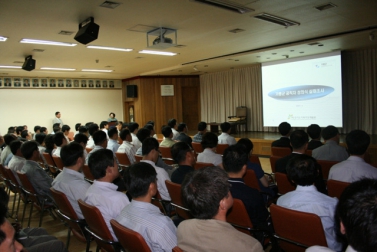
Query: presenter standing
[57,119]
[112,118]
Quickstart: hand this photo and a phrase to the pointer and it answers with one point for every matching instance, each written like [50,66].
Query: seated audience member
[17,161]
[150,127]
[84,130]
[126,146]
[142,134]
[100,142]
[66,129]
[206,193]
[77,127]
[8,241]
[60,141]
[284,130]
[92,129]
[151,155]
[40,138]
[172,123]
[8,138]
[134,127]
[19,130]
[209,144]
[183,137]
[225,138]
[103,193]
[82,139]
[184,156]
[143,217]
[104,126]
[37,130]
[71,180]
[302,171]
[119,126]
[26,136]
[44,130]
[314,131]
[331,150]
[355,167]
[49,143]
[36,175]
[56,128]
[356,215]
[262,180]
[168,134]
[112,144]
[234,161]
[202,129]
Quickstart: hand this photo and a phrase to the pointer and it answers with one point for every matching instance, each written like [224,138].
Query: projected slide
[303,91]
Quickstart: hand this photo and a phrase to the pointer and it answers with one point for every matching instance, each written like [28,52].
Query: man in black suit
[284,130]
[314,132]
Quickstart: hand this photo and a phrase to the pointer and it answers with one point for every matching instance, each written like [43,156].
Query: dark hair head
[203,189]
[133,126]
[111,113]
[9,138]
[149,126]
[151,122]
[357,142]
[124,125]
[99,137]
[247,143]
[56,128]
[103,124]
[40,137]
[83,129]
[56,124]
[166,131]
[124,133]
[28,148]
[142,134]
[181,127]
[209,140]
[314,131]
[302,169]
[36,128]
[202,126]
[70,153]
[57,112]
[77,126]
[112,131]
[284,128]
[49,142]
[298,139]
[149,144]
[15,146]
[24,133]
[88,124]
[59,138]
[138,178]
[179,151]
[99,161]
[43,129]
[93,128]
[225,126]
[357,211]
[81,138]
[234,158]
[19,129]
[329,132]
[65,128]
[172,122]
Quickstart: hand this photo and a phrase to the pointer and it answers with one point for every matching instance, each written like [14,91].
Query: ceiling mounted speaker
[88,31]
[29,63]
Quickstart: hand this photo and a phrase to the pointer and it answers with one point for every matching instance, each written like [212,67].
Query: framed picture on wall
[83,83]
[7,82]
[60,83]
[131,113]
[52,83]
[68,83]
[26,83]
[35,82]
[104,84]
[17,82]
[44,83]
[91,83]
[76,83]
[111,84]
[98,83]
[1,82]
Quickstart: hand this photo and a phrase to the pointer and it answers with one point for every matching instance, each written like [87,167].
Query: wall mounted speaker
[88,31]
[131,91]
[29,63]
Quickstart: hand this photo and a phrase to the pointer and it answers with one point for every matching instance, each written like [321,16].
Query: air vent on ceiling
[276,20]
[325,6]
[110,4]
[142,28]
[227,5]
[313,44]
[180,46]
[38,50]
[65,32]
[237,30]
[18,62]
[108,66]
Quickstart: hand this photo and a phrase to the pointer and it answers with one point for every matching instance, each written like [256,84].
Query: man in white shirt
[92,129]
[103,193]
[302,171]
[151,154]
[143,217]
[100,142]
[112,144]
[71,180]
[17,161]
[66,129]
[8,138]
[225,138]
[57,119]
[126,146]
[172,123]
[60,141]
[104,126]
[134,128]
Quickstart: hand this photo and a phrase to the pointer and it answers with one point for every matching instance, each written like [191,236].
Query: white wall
[37,107]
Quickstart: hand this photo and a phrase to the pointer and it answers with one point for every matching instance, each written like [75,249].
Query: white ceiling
[202,29]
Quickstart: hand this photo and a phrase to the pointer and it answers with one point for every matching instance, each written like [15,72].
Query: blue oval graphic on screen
[300,93]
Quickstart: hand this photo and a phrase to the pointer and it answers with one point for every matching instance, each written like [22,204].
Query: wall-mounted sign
[167,90]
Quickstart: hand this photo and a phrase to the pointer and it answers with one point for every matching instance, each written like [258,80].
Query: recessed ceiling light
[276,20]
[110,48]
[46,42]
[67,33]
[2,39]
[258,56]
[96,70]
[58,69]
[320,45]
[158,53]
[237,30]
[10,66]
[274,53]
[292,50]
[227,5]
[301,52]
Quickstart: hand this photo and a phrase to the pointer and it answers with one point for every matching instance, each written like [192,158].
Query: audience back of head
[302,170]
[314,131]
[234,158]
[357,142]
[209,140]
[138,178]
[284,128]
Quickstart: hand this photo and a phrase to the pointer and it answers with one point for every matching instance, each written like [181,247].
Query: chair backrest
[238,216]
[48,159]
[199,165]
[273,160]
[280,151]
[71,135]
[87,173]
[97,225]
[88,149]
[138,158]
[301,227]
[174,190]
[308,152]
[326,166]
[165,152]
[221,148]
[251,179]
[197,147]
[8,180]
[123,158]
[129,239]
[283,183]
[58,161]
[177,249]
[12,177]
[335,188]
[27,187]
[254,159]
